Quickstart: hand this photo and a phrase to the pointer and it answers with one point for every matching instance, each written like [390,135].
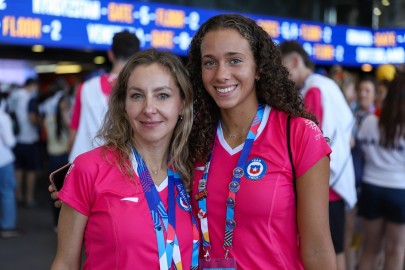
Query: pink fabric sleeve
[74,123]
[79,184]
[313,103]
[308,144]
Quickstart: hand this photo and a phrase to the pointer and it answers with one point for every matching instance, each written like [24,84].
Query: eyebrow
[226,54]
[159,88]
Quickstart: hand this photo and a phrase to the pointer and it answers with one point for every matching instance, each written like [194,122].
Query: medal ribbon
[234,186]
[170,251]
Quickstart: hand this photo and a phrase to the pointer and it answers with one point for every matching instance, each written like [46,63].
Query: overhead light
[366,68]
[65,69]
[37,48]
[376,11]
[99,60]
[59,68]
[46,68]
[385,3]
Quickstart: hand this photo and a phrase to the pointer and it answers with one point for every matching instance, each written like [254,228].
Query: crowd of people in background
[362,115]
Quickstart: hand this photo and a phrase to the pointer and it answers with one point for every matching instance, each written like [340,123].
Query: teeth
[225,90]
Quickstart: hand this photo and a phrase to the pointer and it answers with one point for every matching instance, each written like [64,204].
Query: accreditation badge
[217,264]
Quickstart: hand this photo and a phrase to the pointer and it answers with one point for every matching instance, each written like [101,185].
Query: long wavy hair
[392,118]
[273,87]
[116,130]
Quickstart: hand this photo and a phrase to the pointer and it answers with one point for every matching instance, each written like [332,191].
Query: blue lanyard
[169,252]
[234,186]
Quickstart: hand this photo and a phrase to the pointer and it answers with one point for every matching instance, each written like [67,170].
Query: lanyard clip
[207,256]
[227,250]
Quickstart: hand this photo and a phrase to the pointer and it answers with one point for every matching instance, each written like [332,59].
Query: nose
[149,105]
[222,72]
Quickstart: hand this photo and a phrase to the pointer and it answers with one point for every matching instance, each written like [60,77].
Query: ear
[110,55]
[296,60]
[257,76]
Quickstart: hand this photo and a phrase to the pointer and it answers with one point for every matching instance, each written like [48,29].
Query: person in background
[8,207]
[92,96]
[345,80]
[326,101]
[366,94]
[128,198]
[26,151]
[382,200]
[243,190]
[55,112]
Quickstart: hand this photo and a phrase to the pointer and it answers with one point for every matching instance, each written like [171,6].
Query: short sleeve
[308,145]
[78,187]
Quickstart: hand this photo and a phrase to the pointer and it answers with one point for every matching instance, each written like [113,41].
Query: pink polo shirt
[119,233]
[265,236]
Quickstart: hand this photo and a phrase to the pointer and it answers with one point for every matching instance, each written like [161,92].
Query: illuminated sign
[91,24]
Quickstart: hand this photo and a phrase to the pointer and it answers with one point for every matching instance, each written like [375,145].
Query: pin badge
[230,224]
[230,202]
[238,172]
[234,186]
[202,184]
[201,195]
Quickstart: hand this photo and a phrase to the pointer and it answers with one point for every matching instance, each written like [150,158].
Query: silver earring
[180,117]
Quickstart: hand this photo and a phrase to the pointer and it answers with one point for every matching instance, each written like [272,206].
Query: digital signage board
[91,24]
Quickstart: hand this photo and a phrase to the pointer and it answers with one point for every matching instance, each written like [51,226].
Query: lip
[225,90]
[150,124]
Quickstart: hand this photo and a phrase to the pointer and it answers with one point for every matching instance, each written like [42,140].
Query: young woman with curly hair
[252,213]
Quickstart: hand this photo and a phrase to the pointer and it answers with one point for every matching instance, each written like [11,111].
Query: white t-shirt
[28,132]
[7,139]
[383,167]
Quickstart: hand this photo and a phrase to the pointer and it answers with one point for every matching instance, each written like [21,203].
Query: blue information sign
[91,24]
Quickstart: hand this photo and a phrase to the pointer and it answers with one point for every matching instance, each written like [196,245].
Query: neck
[236,122]
[156,159]
[305,74]
[117,67]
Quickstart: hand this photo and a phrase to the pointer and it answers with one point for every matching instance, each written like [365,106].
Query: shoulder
[93,158]
[89,83]
[369,123]
[281,118]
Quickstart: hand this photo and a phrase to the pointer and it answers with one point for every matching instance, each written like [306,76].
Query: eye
[163,96]
[208,63]
[235,61]
[135,95]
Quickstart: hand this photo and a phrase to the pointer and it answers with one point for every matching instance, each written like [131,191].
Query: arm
[70,238]
[6,132]
[312,216]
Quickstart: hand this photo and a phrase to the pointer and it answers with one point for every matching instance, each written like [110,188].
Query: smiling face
[366,94]
[153,104]
[228,68]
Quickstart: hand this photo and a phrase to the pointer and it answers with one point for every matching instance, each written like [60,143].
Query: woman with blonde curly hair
[127,200]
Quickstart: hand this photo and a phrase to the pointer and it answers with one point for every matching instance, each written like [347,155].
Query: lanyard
[170,251]
[234,186]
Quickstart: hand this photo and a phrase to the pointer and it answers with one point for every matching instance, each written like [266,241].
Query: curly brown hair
[116,130]
[273,87]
